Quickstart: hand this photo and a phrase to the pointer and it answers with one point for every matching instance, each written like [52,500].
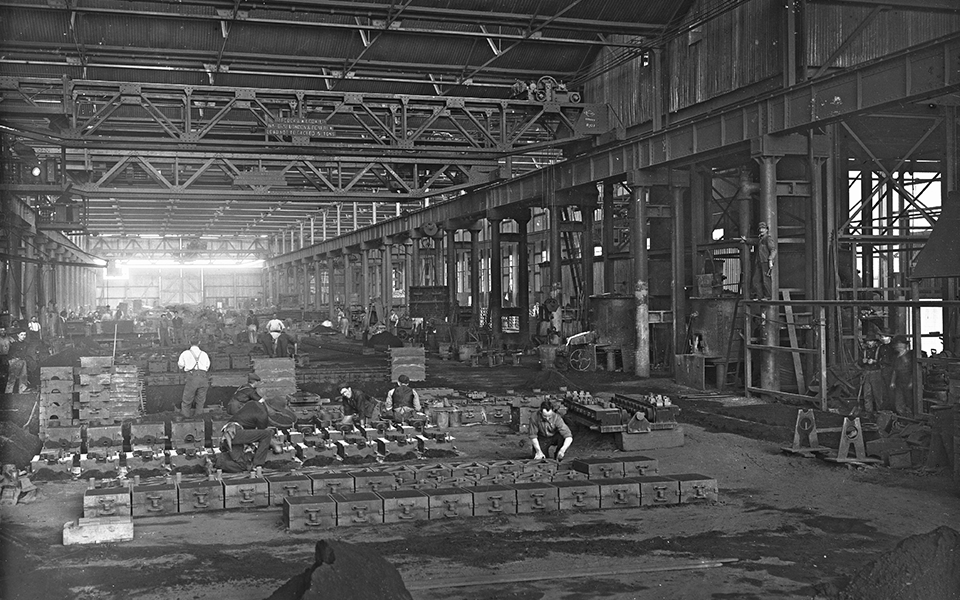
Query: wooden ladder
[794,343]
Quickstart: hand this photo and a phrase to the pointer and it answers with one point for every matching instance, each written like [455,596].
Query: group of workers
[257,421]
[887,373]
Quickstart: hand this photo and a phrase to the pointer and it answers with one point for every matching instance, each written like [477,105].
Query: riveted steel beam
[100,114]
[916,74]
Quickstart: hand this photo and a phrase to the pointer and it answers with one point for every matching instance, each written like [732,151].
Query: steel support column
[475,296]
[386,265]
[451,269]
[305,274]
[365,278]
[348,283]
[607,238]
[641,287]
[495,302]
[769,375]
[523,278]
[586,258]
[30,276]
[678,270]
[415,271]
[317,278]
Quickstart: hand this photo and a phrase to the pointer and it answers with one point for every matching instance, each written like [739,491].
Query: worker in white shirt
[278,339]
[195,363]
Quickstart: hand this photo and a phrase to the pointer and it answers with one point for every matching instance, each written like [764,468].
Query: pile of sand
[921,567]
[345,572]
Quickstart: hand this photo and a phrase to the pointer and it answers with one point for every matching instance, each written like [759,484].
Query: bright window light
[194,264]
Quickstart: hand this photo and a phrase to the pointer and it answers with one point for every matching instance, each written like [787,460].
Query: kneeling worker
[250,425]
[403,401]
[358,407]
[548,429]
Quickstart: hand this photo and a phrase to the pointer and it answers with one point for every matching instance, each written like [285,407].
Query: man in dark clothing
[547,429]
[873,388]
[358,407]
[6,342]
[252,325]
[764,258]
[250,425]
[232,457]
[252,415]
[901,382]
[244,394]
[402,402]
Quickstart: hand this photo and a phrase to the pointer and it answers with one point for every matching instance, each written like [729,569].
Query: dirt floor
[785,527]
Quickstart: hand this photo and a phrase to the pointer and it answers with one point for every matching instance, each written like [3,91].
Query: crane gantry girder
[133,174]
[102,114]
[916,74]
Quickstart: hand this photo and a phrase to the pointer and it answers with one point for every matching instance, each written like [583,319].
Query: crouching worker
[252,424]
[358,407]
[244,394]
[403,402]
[547,429]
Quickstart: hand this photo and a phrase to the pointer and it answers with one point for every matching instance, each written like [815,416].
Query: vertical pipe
[641,290]
[744,220]
[822,348]
[917,374]
[769,377]
[451,268]
[678,272]
[819,266]
[496,283]
[949,286]
[866,221]
[523,279]
[608,243]
[475,296]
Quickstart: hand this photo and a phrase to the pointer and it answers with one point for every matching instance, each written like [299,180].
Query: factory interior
[480,299]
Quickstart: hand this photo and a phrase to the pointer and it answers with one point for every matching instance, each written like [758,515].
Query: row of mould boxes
[401,494]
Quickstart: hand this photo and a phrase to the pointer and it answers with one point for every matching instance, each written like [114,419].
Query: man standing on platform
[195,363]
[765,256]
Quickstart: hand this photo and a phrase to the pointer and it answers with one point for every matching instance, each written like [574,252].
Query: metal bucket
[548,356]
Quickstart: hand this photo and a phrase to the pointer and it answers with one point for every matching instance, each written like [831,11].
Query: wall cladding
[699,63]
[828,26]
